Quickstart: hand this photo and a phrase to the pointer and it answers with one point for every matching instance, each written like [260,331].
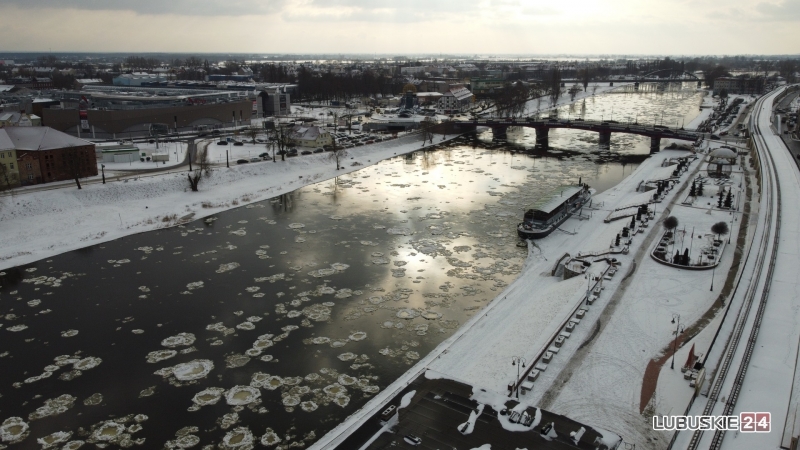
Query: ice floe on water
[344,293]
[399,231]
[208,396]
[347,356]
[358,336]
[338,343]
[87,363]
[188,371]
[227,267]
[194,285]
[14,430]
[346,380]
[94,399]
[270,438]
[272,278]
[309,406]
[160,355]
[242,395]
[296,226]
[407,313]
[69,333]
[17,328]
[291,400]
[185,441]
[54,440]
[236,360]
[179,340]
[239,232]
[228,420]
[247,326]
[53,407]
[317,312]
[109,432]
[240,438]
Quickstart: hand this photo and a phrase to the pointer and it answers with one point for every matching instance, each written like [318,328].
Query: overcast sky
[484,27]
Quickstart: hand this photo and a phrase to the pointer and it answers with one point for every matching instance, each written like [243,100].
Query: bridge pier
[605,139]
[611,83]
[499,132]
[542,137]
[655,144]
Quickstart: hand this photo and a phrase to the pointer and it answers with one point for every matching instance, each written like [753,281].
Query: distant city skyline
[585,27]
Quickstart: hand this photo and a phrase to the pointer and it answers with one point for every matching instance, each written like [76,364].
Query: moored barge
[553,210]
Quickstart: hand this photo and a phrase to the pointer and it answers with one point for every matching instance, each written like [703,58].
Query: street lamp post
[517,361]
[713,270]
[676,318]
[103,170]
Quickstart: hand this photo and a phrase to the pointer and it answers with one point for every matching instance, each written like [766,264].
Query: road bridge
[604,128]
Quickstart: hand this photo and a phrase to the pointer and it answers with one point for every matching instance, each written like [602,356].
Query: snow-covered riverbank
[37,225]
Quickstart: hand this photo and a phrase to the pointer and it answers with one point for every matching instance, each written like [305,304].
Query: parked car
[255,159]
[238,143]
[242,161]
[263,155]
[215,131]
[319,150]
[305,152]
[412,440]
[291,152]
[222,143]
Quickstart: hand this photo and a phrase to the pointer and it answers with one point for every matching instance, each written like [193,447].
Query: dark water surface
[310,303]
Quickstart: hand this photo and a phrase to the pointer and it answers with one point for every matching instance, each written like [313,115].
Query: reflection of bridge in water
[604,128]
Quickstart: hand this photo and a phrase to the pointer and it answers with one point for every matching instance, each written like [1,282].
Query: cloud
[160,7]
[788,10]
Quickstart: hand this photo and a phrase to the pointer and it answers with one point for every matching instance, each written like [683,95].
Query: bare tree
[252,132]
[338,154]
[555,85]
[585,77]
[7,179]
[203,168]
[280,137]
[573,91]
[427,129]
[73,163]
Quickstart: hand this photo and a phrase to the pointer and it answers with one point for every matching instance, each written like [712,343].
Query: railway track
[767,255]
